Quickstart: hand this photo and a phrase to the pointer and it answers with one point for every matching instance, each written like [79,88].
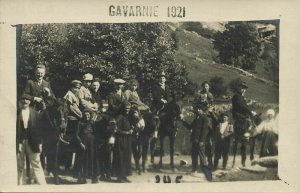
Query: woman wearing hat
[133,97]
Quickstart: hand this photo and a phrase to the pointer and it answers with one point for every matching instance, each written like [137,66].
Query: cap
[119,81]
[76,83]
[25,96]
[270,112]
[88,76]
[162,74]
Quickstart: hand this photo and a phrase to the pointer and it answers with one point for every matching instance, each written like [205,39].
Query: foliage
[199,29]
[217,86]
[238,45]
[108,51]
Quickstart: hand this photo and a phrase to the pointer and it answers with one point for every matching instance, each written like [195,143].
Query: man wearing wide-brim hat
[240,113]
[116,98]
[29,141]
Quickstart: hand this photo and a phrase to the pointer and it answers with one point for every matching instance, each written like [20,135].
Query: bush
[217,86]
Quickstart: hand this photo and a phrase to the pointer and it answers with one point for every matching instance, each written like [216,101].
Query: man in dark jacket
[200,130]
[29,141]
[160,94]
[44,101]
[240,113]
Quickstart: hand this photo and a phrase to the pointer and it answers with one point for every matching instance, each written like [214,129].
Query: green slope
[198,54]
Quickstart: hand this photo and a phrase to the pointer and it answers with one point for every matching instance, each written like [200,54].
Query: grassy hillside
[198,54]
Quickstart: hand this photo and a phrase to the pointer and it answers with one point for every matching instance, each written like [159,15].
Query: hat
[119,81]
[242,85]
[25,96]
[270,112]
[76,83]
[88,76]
[162,74]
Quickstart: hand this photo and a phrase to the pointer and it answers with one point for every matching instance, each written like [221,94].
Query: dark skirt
[121,165]
[88,165]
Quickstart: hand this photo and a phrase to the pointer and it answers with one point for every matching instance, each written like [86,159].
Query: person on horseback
[133,97]
[160,97]
[160,94]
[241,114]
[85,96]
[116,99]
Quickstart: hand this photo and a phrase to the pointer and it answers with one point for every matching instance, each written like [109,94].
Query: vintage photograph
[173,102]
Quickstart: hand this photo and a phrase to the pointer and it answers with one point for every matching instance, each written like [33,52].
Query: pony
[169,117]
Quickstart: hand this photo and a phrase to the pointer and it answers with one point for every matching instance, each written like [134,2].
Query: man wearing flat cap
[29,141]
[75,114]
[85,95]
[116,99]
[240,113]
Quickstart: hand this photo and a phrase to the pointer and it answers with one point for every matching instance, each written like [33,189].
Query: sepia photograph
[149,96]
[151,102]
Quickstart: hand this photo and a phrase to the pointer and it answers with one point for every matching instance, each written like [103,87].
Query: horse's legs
[172,144]
[252,147]
[161,139]
[145,146]
[208,152]
[235,144]
[243,152]
[152,148]
[135,152]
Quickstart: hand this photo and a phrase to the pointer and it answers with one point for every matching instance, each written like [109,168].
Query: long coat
[33,133]
[115,102]
[158,93]
[240,109]
[199,128]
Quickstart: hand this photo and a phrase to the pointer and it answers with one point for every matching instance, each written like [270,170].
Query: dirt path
[231,174]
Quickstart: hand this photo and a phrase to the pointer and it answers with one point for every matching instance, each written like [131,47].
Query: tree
[108,51]
[238,45]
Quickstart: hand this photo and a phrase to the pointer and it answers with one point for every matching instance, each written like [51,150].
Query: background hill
[198,54]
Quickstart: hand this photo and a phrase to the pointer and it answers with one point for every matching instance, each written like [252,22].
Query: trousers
[34,159]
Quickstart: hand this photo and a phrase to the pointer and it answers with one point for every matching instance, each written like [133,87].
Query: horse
[169,116]
[244,137]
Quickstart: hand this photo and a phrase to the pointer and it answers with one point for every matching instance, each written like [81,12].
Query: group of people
[94,132]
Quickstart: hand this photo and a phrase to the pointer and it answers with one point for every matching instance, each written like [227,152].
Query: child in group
[223,133]
[87,155]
